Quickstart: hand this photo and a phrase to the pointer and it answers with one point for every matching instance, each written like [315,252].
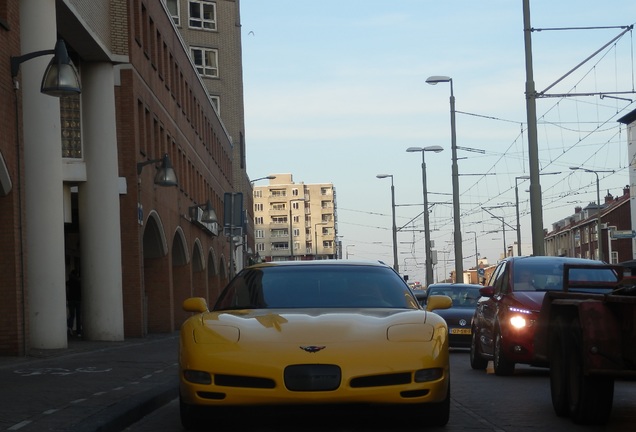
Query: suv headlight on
[520,318]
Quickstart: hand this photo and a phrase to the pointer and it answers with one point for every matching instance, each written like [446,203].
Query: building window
[258,234]
[173,8]
[258,207]
[280,246]
[279,219]
[278,192]
[71,127]
[260,247]
[258,193]
[258,220]
[202,15]
[279,206]
[295,192]
[216,103]
[282,232]
[206,61]
[614,258]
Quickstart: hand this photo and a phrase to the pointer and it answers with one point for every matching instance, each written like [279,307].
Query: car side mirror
[487,291]
[195,304]
[438,302]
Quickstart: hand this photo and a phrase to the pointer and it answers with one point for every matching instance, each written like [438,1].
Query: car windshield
[316,286]
[463,296]
[548,276]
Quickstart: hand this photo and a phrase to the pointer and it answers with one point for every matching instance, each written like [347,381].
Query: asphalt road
[480,402]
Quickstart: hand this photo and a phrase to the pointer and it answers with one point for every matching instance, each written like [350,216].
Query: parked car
[503,325]
[315,333]
[459,316]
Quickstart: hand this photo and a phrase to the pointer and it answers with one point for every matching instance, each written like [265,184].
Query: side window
[498,278]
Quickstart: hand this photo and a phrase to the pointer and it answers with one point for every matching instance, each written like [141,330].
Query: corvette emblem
[462,322]
[312,348]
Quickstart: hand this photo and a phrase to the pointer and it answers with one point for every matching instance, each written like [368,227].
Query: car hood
[531,300]
[324,325]
[453,315]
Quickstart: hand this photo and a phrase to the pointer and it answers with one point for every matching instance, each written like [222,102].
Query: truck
[586,333]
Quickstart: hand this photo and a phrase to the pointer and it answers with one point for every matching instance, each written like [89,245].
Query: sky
[335,91]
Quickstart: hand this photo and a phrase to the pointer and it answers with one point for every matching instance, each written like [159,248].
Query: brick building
[78,179]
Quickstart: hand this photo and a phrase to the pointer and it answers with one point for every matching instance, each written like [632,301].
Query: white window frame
[258,220]
[259,234]
[170,4]
[260,247]
[201,22]
[258,206]
[206,61]
[216,103]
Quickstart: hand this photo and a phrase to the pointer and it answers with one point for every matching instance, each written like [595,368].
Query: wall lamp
[60,78]
[208,216]
[165,173]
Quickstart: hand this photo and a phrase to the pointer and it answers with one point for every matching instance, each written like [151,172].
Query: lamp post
[427,230]
[459,265]
[291,228]
[395,253]
[517,207]
[599,238]
[316,238]
[347,250]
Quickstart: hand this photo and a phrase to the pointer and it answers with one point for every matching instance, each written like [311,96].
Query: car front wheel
[503,366]
[477,362]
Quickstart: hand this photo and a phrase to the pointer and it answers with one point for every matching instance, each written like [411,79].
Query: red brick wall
[13,307]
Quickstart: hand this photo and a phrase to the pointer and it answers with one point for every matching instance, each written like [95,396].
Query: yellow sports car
[315,333]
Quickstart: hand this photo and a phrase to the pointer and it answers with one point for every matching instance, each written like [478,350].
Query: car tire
[502,366]
[590,397]
[190,415]
[477,362]
[558,367]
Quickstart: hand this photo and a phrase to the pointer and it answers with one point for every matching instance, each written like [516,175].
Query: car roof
[549,259]
[337,262]
[453,285]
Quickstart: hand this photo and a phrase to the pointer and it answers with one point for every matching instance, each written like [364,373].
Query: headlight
[518,321]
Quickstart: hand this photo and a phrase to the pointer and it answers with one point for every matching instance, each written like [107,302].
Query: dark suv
[503,325]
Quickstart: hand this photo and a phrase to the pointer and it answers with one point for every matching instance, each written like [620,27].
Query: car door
[492,306]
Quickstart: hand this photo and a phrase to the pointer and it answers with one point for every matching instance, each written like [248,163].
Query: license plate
[460,331]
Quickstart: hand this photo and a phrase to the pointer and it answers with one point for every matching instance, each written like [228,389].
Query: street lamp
[459,265]
[347,250]
[269,177]
[395,254]
[427,231]
[316,238]
[598,205]
[291,228]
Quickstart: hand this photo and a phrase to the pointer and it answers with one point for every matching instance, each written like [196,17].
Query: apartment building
[295,221]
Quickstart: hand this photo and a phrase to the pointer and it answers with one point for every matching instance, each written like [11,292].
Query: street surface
[480,402]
